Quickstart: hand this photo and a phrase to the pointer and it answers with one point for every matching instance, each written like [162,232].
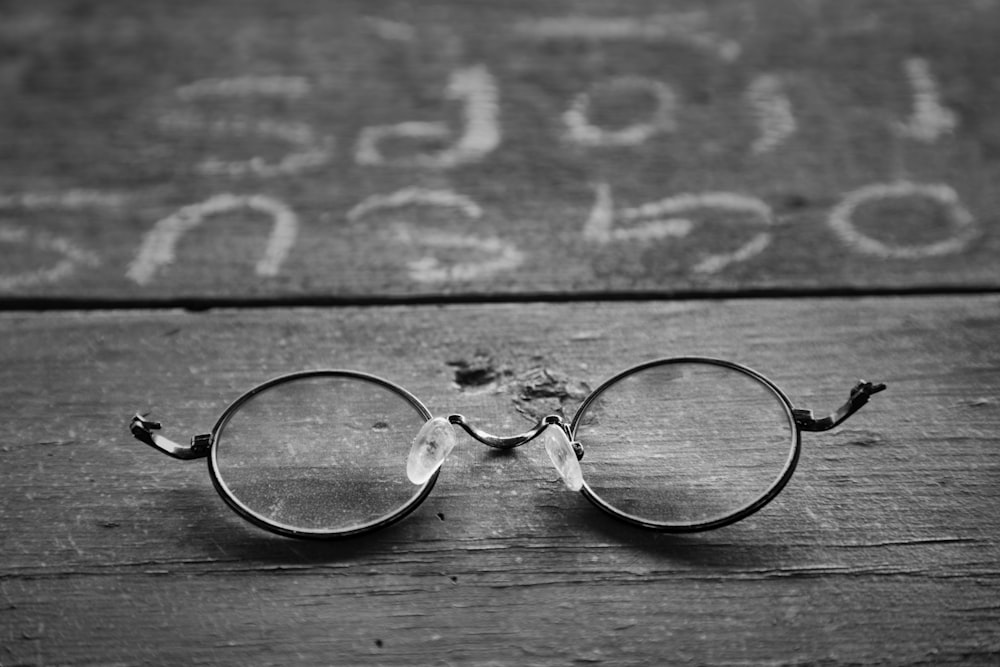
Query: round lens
[319,454]
[686,444]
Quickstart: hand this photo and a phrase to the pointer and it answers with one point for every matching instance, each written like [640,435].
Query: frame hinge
[200,444]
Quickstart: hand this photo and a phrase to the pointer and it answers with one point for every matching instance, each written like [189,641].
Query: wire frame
[253,505]
[767,484]
[323,453]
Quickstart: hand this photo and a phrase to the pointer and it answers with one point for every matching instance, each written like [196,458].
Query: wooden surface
[498,205]
[882,549]
[244,150]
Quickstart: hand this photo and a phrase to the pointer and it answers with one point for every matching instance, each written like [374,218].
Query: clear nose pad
[563,457]
[434,441]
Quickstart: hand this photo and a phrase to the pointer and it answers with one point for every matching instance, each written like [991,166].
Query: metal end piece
[201,443]
[859,396]
[142,430]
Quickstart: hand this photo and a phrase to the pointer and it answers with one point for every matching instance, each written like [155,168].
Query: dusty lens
[320,454]
[684,443]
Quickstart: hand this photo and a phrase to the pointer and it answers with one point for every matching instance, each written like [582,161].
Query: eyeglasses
[676,445]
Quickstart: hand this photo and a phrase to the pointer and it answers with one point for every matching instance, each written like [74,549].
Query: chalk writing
[492,255]
[450,254]
[773,111]
[393,31]
[488,255]
[71,199]
[417,197]
[930,119]
[962,222]
[72,255]
[580,129]
[685,27]
[599,225]
[476,88]
[294,133]
[662,221]
[477,91]
[310,150]
[158,247]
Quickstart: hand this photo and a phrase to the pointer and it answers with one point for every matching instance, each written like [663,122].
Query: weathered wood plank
[882,549]
[221,149]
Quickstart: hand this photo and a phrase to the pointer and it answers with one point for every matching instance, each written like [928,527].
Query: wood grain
[226,153]
[120,120]
[882,549]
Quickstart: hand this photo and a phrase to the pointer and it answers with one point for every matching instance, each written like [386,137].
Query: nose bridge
[563,452]
[509,441]
[512,441]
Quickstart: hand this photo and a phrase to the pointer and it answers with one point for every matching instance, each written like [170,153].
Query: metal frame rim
[742,512]
[261,521]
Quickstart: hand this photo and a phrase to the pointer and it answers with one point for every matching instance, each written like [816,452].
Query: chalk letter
[664,219]
[310,151]
[493,255]
[581,130]
[476,88]
[773,111]
[72,255]
[930,119]
[683,27]
[658,224]
[961,221]
[158,247]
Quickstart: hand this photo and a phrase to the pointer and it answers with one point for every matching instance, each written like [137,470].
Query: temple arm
[142,429]
[862,391]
